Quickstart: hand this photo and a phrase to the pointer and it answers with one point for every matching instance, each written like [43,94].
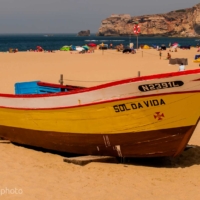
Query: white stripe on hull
[109,93]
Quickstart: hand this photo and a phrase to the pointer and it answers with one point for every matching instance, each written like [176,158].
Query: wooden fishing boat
[146,116]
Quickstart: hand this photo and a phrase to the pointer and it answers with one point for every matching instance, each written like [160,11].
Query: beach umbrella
[175,44]
[92,45]
[39,48]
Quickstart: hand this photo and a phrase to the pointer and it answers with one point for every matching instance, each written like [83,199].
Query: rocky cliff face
[178,23]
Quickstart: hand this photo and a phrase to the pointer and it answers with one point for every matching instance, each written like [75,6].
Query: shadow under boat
[189,157]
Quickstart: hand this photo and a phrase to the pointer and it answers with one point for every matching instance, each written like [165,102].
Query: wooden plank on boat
[4,141]
[189,147]
[83,160]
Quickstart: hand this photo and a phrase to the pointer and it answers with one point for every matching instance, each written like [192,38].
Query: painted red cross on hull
[159,115]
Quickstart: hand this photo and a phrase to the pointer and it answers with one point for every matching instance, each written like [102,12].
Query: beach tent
[92,45]
[163,47]
[127,50]
[185,47]
[155,46]
[86,47]
[146,47]
[73,48]
[197,60]
[197,56]
[79,48]
[65,48]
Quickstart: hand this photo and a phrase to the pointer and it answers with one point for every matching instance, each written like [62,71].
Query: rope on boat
[89,81]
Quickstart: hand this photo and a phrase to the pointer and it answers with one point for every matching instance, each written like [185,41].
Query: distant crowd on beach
[13,50]
[128,49]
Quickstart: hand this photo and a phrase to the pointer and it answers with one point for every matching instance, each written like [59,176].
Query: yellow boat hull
[159,125]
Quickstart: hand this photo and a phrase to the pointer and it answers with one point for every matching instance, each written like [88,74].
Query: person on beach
[168,56]
[182,67]
[15,50]
[133,51]
[160,54]
[120,47]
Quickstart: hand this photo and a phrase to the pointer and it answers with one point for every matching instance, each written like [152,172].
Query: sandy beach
[28,174]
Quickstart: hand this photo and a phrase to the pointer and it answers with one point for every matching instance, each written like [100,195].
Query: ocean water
[24,42]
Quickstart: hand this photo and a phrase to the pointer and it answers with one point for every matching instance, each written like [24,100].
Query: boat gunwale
[106,85]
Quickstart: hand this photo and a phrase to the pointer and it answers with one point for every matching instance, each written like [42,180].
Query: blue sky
[71,16]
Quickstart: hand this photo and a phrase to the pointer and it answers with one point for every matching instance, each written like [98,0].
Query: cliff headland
[178,23]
